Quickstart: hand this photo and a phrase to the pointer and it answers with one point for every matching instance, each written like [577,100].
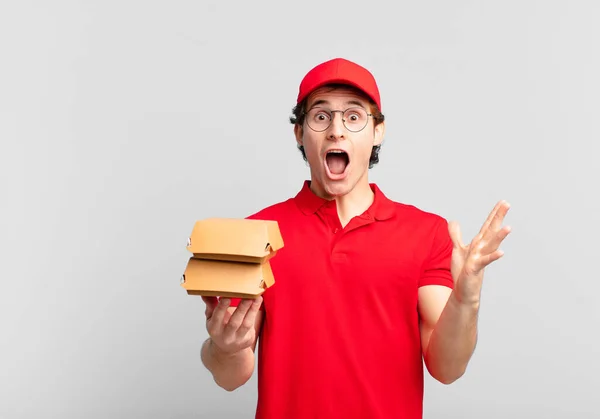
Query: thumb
[455,234]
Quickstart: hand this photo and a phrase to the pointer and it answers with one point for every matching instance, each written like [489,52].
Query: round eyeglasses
[354,119]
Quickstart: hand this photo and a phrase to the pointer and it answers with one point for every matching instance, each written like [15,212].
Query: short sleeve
[436,270]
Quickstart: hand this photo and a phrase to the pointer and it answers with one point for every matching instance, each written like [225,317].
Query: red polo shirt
[340,337]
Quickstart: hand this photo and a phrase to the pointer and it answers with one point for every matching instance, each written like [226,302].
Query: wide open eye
[355,115]
[319,116]
[355,119]
[322,116]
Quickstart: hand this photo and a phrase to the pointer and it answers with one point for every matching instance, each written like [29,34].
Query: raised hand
[469,261]
[231,331]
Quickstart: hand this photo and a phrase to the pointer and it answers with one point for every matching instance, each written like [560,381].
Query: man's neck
[355,202]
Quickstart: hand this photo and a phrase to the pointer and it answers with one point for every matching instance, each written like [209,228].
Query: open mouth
[337,161]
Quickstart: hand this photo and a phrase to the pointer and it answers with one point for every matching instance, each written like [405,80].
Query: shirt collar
[309,203]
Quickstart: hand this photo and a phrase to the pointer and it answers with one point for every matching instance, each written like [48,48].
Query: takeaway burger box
[231,257]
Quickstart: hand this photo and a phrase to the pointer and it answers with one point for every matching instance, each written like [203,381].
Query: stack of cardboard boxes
[231,257]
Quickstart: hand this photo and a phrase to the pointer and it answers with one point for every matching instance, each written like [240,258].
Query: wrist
[217,353]
[457,301]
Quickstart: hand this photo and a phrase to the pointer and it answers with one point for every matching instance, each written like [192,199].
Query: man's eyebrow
[319,102]
[325,102]
[356,102]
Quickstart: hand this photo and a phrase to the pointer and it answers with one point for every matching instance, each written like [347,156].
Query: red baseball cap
[340,70]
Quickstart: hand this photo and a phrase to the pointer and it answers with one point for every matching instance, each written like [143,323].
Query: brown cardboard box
[231,257]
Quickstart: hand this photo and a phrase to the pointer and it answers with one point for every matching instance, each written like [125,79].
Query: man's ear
[298,133]
[379,133]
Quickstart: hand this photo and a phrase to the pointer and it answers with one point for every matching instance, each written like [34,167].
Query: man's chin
[333,188]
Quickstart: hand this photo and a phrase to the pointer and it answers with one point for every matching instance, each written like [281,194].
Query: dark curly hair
[298,118]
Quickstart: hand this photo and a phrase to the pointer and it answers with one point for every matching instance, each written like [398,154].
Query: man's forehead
[329,95]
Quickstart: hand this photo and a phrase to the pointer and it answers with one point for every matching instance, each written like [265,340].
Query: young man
[367,289]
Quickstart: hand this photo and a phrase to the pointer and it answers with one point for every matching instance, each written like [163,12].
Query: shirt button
[336,230]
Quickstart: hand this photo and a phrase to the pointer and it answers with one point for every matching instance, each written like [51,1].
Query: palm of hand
[469,261]
[230,341]
[231,331]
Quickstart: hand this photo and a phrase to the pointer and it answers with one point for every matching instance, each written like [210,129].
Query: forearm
[229,371]
[452,340]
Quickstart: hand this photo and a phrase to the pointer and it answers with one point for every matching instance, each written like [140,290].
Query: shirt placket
[338,233]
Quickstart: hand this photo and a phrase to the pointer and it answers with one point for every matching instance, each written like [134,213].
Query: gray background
[123,122]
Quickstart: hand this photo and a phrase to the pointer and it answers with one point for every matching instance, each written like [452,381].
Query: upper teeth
[337,151]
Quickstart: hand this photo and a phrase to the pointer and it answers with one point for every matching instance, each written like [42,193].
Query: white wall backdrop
[122,122]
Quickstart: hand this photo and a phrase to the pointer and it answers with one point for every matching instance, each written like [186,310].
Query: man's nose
[336,129]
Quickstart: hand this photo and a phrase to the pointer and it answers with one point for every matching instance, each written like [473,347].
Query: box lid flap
[236,237]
